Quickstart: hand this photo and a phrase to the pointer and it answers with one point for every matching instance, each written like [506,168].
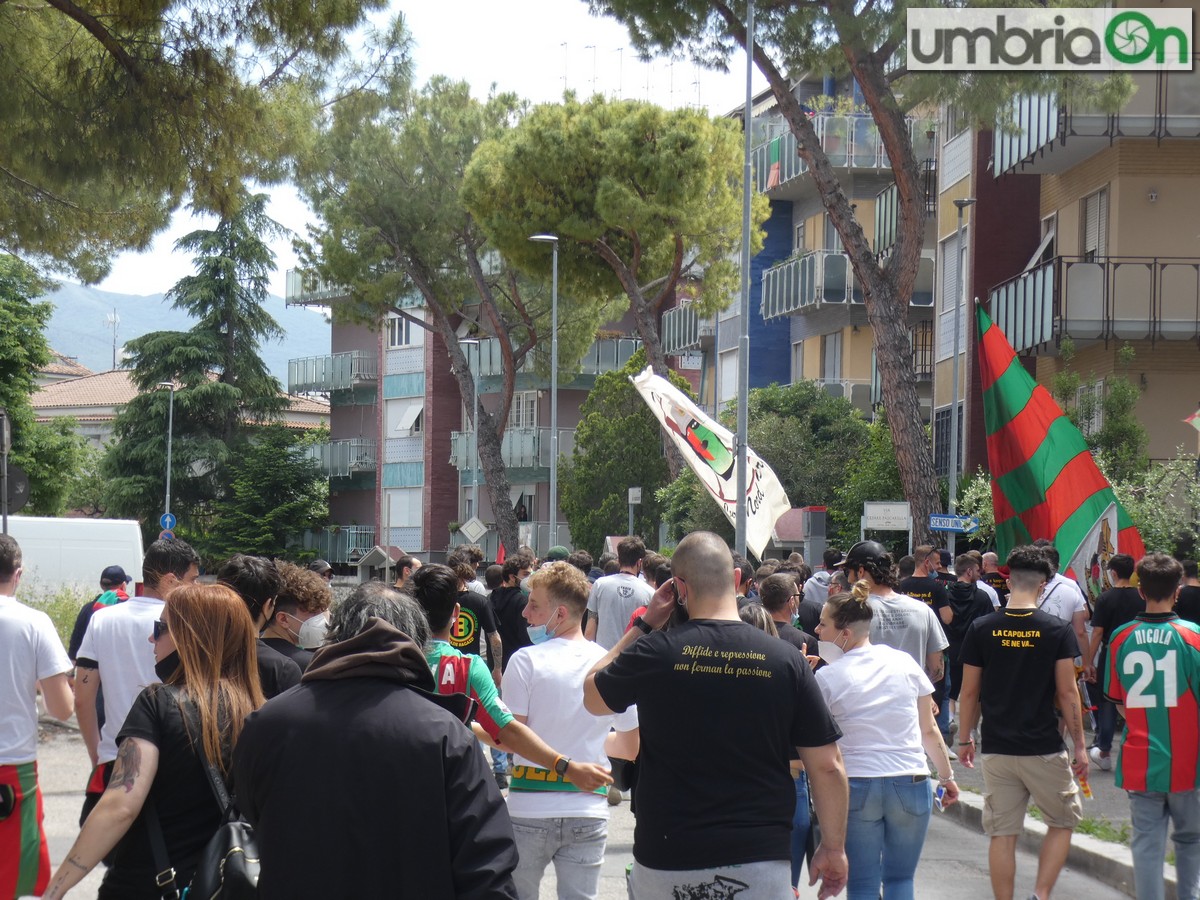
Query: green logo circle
[1131,37]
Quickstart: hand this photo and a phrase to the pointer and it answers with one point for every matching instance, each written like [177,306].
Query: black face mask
[167,667]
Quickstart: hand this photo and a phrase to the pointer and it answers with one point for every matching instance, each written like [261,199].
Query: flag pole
[739,528]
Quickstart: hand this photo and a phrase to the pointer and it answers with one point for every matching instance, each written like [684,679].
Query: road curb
[1107,862]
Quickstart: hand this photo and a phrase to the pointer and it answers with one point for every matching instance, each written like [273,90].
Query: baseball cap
[114,575]
[557,553]
[319,566]
[864,551]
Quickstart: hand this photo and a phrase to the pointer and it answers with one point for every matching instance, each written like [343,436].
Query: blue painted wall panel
[398,475]
[770,342]
[409,385]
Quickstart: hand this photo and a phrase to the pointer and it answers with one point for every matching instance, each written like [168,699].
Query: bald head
[990,562]
[702,561]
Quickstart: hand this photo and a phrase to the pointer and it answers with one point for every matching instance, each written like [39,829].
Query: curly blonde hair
[302,589]
[565,584]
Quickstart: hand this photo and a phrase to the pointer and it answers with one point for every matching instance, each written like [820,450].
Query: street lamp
[474,457]
[552,240]
[170,385]
[958,303]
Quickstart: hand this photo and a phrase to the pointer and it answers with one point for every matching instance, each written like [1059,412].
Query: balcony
[1049,137]
[337,372]
[521,448]
[850,142]
[345,544]
[1121,298]
[822,278]
[887,207]
[342,459]
[605,355]
[683,329]
[303,288]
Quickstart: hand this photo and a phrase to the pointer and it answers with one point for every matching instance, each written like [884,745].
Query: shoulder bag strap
[164,877]
[217,783]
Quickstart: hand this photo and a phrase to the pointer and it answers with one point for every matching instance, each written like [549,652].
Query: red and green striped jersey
[1045,483]
[1153,669]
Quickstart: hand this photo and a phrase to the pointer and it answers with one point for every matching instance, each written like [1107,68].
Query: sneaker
[502,781]
[950,752]
[1102,760]
[614,797]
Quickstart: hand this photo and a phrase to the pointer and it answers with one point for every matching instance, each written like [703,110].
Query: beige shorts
[1009,782]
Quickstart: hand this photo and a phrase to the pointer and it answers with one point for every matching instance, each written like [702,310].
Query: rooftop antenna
[565,57]
[621,73]
[113,321]
[592,47]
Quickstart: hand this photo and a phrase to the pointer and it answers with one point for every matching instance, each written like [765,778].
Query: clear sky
[534,48]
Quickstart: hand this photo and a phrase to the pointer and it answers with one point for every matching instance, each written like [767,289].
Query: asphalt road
[953,865]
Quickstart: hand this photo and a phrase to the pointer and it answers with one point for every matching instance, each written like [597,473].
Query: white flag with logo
[708,448]
[1089,562]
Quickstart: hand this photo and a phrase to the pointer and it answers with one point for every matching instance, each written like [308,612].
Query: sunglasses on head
[160,628]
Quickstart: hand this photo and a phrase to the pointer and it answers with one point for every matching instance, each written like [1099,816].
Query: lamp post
[743,422]
[474,457]
[552,240]
[952,492]
[170,385]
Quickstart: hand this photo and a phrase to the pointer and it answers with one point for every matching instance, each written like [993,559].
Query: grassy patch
[62,607]
[1101,829]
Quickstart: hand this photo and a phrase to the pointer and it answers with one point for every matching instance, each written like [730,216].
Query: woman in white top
[880,699]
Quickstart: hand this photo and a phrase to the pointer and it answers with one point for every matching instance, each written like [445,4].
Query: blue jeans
[1106,724]
[943,713]
[885,832]
[1149,813]
[499,761]
[575,846]
[801,820]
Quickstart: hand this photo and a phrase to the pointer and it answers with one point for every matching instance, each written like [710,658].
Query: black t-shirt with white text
[721,705]
[1018,649]
[929,590]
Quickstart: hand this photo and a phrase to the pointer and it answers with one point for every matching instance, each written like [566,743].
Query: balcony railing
[1123,298]
[824,277]
[337,372]
[849,141]
[605,355]
[306,289]
[683,329]
[887,207]
[341,459]
[519,447]
[345,544]
[1050,137]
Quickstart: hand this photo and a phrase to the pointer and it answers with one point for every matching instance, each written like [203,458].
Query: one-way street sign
[957,524]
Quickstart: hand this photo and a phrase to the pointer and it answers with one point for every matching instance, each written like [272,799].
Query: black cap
[864,551]
[319,566]
[113,576]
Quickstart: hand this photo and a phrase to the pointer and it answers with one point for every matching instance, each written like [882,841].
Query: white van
[71,553]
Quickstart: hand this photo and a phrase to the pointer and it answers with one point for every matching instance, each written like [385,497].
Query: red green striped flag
[1044,480]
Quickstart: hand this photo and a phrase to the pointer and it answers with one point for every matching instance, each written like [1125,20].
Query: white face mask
[312,632]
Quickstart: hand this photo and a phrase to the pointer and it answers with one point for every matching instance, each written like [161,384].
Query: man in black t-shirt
[257,581]
[1017,663]
[924,585]
[508,605]
[780,596]
[1187,606]
[476,620]
[994,578]
[709,694]
[1119,604]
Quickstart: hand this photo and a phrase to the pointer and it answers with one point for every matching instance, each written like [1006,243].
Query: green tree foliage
[809,438]
[865,41]
[49,453]
[873,474]
[385,172]
[642,199]
[1109,422]
[222,385]
[275,491]
[975,499]
[1163,501]
[116,112]
[618,445]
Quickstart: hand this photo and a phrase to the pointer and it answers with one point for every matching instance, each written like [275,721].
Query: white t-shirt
[904,623]
[118,641]
[990,591]
[872,692]
[1062,597]
[30,650]
[544,683]
[613,600]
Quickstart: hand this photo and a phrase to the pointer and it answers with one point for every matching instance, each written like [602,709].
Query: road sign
[166,535]
[635,495]
[887,516]
[18,488]
[957,524]
[166,521]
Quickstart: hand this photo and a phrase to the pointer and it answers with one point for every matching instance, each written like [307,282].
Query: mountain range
[80,328]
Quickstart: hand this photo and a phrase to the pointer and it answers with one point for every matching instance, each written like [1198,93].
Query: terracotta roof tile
[64,365]
[103,389]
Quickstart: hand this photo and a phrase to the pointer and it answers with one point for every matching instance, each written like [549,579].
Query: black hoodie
[967,603]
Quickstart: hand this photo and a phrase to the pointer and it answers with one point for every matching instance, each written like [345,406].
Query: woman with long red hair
[204,648]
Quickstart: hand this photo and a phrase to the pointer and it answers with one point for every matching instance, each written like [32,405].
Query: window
[831,356]
[833,240]
[729,377]
[1089,407]
[941,441]
[1095,226]
[403,417]
[801,244]
[797,361]
[403,333]
[405,506]
[957,121]
[523,413]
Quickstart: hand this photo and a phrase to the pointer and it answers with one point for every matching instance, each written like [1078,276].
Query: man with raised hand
[553,819]
[33,657]
[1153,673]
[714,668]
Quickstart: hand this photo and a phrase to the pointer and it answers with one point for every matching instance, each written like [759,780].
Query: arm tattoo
[127,767]
[86,677]
[77,864]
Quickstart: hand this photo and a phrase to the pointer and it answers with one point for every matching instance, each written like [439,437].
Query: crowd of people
[456,733]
